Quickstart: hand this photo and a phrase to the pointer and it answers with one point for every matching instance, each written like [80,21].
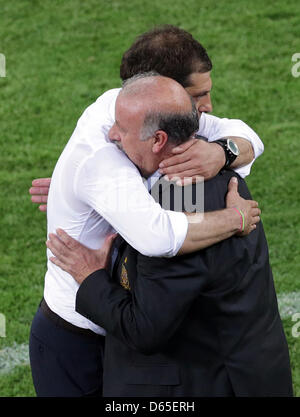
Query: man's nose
[113,133]
[205,105]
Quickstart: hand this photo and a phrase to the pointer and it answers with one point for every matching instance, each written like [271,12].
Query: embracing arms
[146,316]
[167,232]
[205,229]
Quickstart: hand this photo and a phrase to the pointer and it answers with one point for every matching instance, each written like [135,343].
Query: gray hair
[178,126]
[141,75]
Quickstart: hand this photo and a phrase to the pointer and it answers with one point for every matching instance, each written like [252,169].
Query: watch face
[233,147]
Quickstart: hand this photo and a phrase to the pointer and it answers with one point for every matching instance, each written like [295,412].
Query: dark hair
[178,126]
[167,49]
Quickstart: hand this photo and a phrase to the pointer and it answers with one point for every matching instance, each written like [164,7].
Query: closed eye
[202,94]
[120,127]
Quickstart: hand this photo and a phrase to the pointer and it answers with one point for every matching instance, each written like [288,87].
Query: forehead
[129,111]
[199,81]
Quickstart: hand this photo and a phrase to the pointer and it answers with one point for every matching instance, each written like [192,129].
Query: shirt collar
[149,182]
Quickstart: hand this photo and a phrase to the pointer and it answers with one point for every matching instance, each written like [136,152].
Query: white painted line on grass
[289,303]
[13,356]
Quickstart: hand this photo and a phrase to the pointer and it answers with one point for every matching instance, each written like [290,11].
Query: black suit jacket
[202,324]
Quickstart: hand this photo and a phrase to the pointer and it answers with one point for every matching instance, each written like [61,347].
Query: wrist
[242,219]
[236,219]
[220,154]
[231,150]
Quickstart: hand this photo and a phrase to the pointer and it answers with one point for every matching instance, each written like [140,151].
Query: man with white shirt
[95,190]
[202,324]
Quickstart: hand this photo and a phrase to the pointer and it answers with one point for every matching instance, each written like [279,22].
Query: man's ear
[160,141]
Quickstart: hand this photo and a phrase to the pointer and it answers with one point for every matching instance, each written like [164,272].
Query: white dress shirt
[214,128]
[96,190]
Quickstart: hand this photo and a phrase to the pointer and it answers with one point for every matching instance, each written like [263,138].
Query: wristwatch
[231,150]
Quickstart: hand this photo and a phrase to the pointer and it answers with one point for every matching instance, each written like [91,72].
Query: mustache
[118,144]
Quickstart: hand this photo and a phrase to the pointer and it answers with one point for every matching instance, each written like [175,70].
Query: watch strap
[229,155]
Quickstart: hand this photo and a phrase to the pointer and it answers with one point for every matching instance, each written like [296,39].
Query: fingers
[104,253]
[108,243]
[178,169]
[183,147]
[173,161]
[39,191]
[111,238]
[57,262]
[57,247]
[41,182]
[254,203]
[67,239]
[184,174]
[256,212]
[39,198]
[40,194]
[233,185]
[256,220]
[254,217]
[183,154]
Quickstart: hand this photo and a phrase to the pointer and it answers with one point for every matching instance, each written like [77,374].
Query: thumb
[109,241]
[233,185]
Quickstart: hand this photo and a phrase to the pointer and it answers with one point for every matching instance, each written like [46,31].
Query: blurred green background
[61,55]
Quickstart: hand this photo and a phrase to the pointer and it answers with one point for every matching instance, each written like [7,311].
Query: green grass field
[61,55]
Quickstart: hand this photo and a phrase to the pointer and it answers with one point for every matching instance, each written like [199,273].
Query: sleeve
[213,128]
[146,317]
[108,182]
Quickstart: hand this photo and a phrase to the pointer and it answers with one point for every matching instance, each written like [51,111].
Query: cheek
[130,148]
[124,139]
[137,153]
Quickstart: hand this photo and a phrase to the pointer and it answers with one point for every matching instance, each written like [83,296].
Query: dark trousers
[64,363]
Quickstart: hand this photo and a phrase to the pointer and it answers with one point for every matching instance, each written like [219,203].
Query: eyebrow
[119,126]
[200,93]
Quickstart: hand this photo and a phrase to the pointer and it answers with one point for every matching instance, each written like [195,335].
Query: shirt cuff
[245,170]
[179,224]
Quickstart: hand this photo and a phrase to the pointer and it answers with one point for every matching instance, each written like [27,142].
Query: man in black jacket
[203,324]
